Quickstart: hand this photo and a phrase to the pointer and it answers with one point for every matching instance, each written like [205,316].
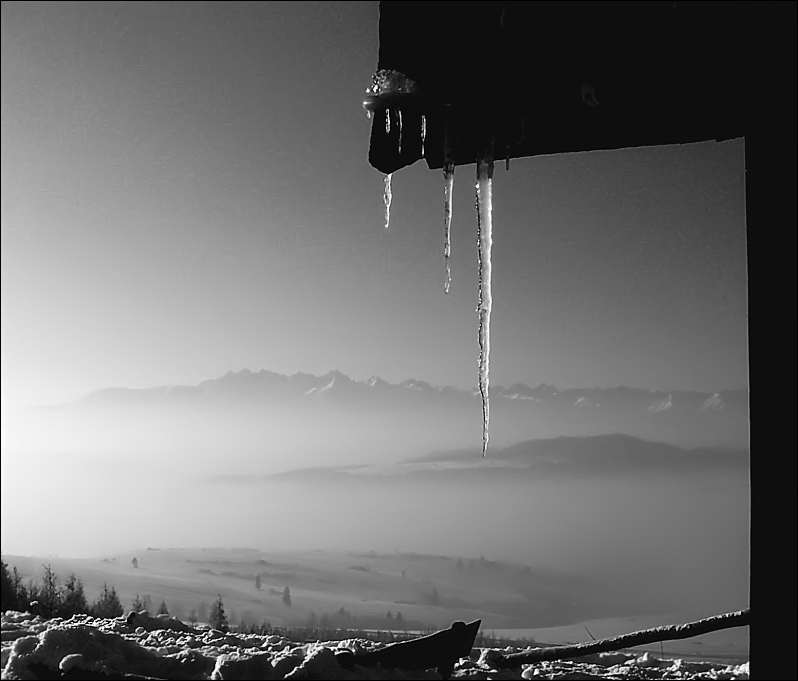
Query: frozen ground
[167,648]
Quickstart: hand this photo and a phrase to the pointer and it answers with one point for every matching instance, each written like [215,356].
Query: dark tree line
[51,598]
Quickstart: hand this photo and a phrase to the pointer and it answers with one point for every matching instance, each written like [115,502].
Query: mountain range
[333,418]
[334,386]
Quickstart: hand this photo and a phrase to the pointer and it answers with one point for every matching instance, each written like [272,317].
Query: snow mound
[149,623]
[165,648]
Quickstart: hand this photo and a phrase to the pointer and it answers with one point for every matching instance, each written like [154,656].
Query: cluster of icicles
[394,83]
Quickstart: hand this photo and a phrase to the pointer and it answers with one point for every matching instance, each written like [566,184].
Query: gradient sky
[186,191]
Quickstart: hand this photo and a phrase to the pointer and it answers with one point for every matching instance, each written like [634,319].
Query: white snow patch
[111,645]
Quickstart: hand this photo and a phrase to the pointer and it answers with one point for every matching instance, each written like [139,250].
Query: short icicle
[423,133]
[484,205]
[387,197]
[399,124]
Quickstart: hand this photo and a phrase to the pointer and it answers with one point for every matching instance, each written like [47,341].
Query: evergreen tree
[192,617]
[257,582]
[22,596]
[434,598]
[8,594]
[148,603]
[74,598]
[400,622]
[163,610]
[389,617]
[50,597]
[313,621]
[218,619]
[459,564]
[138,604]
[107,605]
[287,596]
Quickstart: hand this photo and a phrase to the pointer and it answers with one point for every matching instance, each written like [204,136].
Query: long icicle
[448,187]
[484,205]
[387,197]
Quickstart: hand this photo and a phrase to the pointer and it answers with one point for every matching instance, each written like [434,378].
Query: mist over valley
[631,523]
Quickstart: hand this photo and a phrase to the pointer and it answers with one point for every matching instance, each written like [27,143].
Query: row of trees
[51,598]
[345,620]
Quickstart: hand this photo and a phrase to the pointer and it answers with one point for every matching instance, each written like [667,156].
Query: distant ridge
[303,412]
[565,456]
[333,385]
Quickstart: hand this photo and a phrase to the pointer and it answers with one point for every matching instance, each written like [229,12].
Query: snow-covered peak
[544,390]
[331,381]
[415,384]
[662,405]
[336,376]
[713,403]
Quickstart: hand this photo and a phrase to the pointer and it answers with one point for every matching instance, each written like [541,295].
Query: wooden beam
[674,632]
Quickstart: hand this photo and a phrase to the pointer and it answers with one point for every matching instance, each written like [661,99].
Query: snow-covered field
[164,647]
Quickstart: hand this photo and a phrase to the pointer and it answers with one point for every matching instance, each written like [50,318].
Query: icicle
[399,115]
[423,133]
[387,196]
[484,205]
[387,121]
[448,186]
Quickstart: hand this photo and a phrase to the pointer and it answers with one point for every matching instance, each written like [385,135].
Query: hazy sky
[185,191]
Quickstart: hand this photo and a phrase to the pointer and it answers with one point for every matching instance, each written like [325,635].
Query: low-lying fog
[666,541]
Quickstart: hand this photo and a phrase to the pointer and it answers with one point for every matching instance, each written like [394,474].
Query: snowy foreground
[166,648]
